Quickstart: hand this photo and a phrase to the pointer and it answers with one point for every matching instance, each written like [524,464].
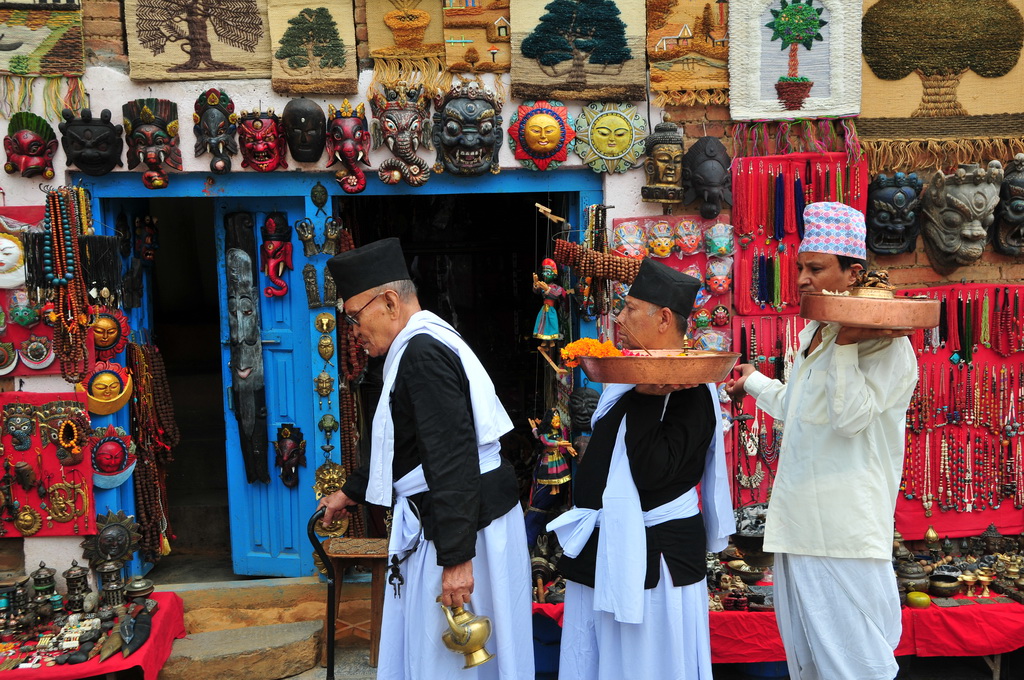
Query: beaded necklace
[67,216]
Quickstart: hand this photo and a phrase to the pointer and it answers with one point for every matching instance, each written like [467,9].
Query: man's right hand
[735,386]
[334,505]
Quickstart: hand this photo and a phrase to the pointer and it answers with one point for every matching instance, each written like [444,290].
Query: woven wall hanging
[688,50]
[197,39]
[314,48]
[41,43]
[943,84]
[477,36]
[579,49]
[798,59]
[407,42]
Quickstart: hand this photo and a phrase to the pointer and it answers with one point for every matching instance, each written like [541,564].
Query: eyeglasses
[352,319]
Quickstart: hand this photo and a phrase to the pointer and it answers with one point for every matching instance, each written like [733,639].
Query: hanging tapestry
[579,50]
[197,39]
[41,43]
[798,59]
[688,49]
[406,42]
[477,36]
[314,49]
[942,88]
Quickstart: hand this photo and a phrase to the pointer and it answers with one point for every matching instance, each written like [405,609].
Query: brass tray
[870,312]
[663,367]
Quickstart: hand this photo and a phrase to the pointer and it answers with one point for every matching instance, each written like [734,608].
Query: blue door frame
[267,532]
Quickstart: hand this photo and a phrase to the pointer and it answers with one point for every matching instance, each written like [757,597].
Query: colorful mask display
[706,176]
[540,134]
[12,261]
[628,240]
[664,165]
[702,318]
[112,453]
[215,127]
[719,279]
[892,216]
[261,139]
[660,239]
[108,388]
[151,126]
[290,453]
[401,119]
[30,145]
[20,423]
[689,236]
[110,331]
[36,352]
[1008,235]
[720,316]
[305,128]
[145,242]
[467,131]
[93,146]
[276,253]
[66,426]
[958,210]
[348,143]
[718,240]
[610,137]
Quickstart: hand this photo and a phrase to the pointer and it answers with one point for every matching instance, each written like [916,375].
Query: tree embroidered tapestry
[314,48]
[41,41]
[943,85]
[791,59]
[688,50]
[579,49]
[197,39]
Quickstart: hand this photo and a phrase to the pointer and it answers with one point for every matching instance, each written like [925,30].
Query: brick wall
[103,27]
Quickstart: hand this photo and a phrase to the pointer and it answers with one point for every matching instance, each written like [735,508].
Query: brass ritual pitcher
[467,634]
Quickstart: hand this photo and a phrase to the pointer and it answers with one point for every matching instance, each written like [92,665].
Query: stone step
[266,652]
[281,593]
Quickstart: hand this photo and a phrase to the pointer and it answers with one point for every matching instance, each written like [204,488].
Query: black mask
[706,176]
[93,146]
[305,127]
[893,213]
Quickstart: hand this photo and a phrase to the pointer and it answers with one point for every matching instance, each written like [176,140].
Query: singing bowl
[663,367]
[942,585]
[870,312]
[748,574]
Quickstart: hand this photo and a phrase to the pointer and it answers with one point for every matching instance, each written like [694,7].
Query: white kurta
[830,518]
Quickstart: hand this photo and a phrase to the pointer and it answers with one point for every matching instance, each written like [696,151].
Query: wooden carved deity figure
[30,145]
[276,253]
[348,143]
[467,131]
[546,327]
[893,219]
[401,119]
[261,138]
[664,165]
[1008,235]
[152,129]
[92,145]
[215,127]
[706,176]
[958,210]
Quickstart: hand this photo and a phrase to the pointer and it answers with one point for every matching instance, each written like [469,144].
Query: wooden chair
[367,552]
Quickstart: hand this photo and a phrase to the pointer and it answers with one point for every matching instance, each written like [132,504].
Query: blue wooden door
[268,519]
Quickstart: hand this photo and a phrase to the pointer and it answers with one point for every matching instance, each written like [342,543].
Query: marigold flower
[588,347]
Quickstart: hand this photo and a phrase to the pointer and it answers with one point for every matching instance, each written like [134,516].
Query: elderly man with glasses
[457,528]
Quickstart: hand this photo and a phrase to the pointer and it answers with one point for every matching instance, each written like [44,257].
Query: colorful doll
[719,279]
[549,475]
[688,237]
[659,240]
[546,327]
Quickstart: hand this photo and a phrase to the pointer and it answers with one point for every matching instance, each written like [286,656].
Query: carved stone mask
[152,129]
[1008,236]
[305,127]
[958,210]
[582,403]
[215,128]
[93,146]
[467,131]
[262,141]
[30,145]
[706,176]
[664,165]
[892,218]
[348,143]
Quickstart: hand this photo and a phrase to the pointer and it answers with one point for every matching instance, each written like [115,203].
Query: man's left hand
[849,335]
[457,584]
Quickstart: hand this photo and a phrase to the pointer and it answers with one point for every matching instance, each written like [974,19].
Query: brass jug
[467,634]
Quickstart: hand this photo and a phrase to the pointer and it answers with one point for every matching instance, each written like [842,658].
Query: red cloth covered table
[168,626]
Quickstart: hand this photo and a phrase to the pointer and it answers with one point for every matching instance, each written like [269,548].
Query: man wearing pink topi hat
[830,518]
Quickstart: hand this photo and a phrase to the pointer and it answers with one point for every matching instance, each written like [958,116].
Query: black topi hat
[369,266]
[663,286]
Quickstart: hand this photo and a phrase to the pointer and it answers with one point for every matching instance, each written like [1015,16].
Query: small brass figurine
[467,634]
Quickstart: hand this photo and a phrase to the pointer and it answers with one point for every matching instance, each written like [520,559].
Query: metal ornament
[8,358]
[332,230]
[37,352]
[330,477]
[325,347]
[306,232]
[109,387]
[328,425]
[540,134]
[324,322]
[312,286]
[110,331]
[330,292]
[324,385]
[290,450]
[67,501]
[610,137]
[117,538]
[27,520]
[318,194]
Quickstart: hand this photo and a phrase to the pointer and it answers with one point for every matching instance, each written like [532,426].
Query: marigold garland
[588,347]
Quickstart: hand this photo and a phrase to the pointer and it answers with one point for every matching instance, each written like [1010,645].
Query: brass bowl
[870,312]
[748,574]
[943,585]
[663,367]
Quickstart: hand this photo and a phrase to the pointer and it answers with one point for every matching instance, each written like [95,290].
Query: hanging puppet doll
[546,327]
[550,475]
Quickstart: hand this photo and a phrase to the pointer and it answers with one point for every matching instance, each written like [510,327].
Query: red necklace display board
[965,455]
[45,491]
[168,626]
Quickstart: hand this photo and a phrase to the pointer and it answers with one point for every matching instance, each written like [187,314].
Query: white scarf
[489,417]
[619,582]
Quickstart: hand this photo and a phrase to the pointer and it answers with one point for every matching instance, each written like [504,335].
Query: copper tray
[868,312]
[663,367]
